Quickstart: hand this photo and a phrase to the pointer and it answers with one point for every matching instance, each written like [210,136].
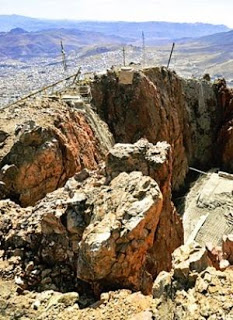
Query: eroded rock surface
[160,106]
[103,231]
[114,246]
[114,225]
[225,137]
[45,142]
[115,230]
[154,161]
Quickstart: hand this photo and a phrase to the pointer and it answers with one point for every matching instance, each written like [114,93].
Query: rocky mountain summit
[88,227]
[194,117]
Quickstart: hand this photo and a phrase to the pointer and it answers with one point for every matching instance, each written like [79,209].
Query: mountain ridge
[167,29]
[19,43]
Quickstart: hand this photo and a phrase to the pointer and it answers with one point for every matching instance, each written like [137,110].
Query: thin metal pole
[196,170]
[173,46]
[77,75]
[123,50]
[63,57]
[143,49]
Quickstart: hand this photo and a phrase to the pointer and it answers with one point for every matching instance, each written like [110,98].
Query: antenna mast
[173,46]
[123,50]
[143,49]
[63,57]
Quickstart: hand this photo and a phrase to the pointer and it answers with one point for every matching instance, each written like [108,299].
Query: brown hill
[19,43]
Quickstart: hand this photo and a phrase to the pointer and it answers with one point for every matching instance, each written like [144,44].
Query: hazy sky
[213,11]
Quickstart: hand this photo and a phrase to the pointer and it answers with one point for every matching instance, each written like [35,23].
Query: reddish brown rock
[215,255]
[108,228]
[46,143]
[225,141]
[160,106]
[227,248]
[114,246]
[122,227]
[154,161]
[225,135]
[221,257]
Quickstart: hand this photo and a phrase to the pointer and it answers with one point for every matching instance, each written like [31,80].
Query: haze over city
[211,11]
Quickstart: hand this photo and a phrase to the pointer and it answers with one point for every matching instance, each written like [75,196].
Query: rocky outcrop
[114,246]
[160,106]
[79,224]
[43,143]
[154,161]
[112,231]
[225,137]
[103,231]
[107,228]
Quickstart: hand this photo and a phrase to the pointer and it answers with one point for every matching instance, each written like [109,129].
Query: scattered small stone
[29,267]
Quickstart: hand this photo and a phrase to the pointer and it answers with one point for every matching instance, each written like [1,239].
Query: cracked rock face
[193,289]
[89,227]
[105,231]
[38,156]
[193,116]
[156,162]
[120,221]
[225,137]
[114,245]
[112,232]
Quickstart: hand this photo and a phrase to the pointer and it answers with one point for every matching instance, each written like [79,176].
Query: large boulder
[154,161]
[109,228]
[103,230]
[43,144]
[114,246]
